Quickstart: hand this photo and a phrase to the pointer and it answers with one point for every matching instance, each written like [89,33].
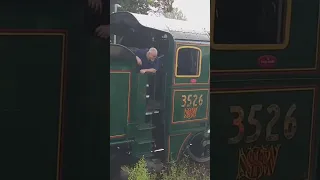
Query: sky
[196,11]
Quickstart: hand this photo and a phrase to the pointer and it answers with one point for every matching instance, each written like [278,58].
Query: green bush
[139,171]
[182,170]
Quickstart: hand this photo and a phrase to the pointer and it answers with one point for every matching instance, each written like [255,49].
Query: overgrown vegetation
[183,170]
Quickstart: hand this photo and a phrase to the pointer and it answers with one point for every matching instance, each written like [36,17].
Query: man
[147,60]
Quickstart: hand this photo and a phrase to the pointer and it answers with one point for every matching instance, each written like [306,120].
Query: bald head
[153,50]
[152,54]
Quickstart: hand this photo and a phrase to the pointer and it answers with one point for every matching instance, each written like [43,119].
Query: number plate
[190,105]
[268,133]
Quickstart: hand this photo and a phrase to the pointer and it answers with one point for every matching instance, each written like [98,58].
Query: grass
[183,170]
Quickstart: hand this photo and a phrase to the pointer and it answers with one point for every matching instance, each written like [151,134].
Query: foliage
[135,6]
[140,171]
[163,7]
[175,14]
[185,170]
[174,171]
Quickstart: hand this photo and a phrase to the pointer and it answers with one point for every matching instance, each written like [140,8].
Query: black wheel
[198,148]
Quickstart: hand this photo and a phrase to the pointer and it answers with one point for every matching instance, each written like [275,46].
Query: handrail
[121,53]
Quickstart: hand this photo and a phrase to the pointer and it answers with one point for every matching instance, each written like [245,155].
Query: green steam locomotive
[165,115]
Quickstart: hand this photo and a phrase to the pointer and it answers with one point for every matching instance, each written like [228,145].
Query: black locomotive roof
[180,30]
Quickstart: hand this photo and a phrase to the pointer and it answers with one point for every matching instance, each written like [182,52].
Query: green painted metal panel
[127,97]
[119,102]
[31,102]
[300,53]
[176,145]
[187,86]
[264,131]
[138,104]
[191,116]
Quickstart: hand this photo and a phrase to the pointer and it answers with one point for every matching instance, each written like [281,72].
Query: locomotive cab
[135,36]
[131,34]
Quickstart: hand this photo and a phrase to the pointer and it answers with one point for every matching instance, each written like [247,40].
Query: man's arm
[153,70]
[139,62]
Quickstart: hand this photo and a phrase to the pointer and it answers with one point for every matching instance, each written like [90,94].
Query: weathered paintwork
[248,157]
[297,54]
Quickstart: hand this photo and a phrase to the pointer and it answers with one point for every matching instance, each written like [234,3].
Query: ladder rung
[152,112]
[145,127]
[145,141]
[149,113]
[121,142]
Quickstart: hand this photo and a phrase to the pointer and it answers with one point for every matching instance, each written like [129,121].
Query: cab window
[188,62]
[250,21]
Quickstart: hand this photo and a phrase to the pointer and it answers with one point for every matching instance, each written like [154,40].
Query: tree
[158,7]
[175,14]
[163,6]
[144,6]
[135,6]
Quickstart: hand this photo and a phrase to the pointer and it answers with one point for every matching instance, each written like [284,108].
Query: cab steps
[144,142]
